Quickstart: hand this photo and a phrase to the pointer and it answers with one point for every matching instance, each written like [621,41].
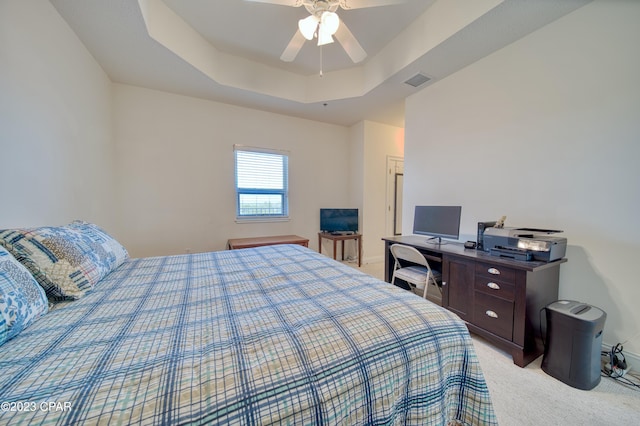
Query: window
[262,177]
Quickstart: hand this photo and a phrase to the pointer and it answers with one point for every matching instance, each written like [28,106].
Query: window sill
[258,219]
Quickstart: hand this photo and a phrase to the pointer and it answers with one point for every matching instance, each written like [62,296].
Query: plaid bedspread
[271,335]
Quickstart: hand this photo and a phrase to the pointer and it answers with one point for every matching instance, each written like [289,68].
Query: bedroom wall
[546,131]
[378,142]
[176,170]
[55,122]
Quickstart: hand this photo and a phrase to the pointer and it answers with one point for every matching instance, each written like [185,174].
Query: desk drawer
[493,314]
[495,287]
[496,271]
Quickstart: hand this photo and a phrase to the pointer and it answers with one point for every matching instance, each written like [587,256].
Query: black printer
[524,243]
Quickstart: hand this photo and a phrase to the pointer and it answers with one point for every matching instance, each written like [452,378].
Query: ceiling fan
[324,23]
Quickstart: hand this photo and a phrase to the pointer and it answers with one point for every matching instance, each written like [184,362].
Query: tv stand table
[341,237]
[499,299]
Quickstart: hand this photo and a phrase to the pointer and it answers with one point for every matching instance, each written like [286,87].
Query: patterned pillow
[67,261]
[109,251]
[22,300]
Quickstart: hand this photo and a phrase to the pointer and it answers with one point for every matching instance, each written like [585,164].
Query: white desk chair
[420,275]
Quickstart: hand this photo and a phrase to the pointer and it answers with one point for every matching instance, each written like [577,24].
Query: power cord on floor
[615,366]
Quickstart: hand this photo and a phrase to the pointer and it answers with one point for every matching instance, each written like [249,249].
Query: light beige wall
[356,165]
[380,142]
[356,186]
[55,122]
[371,144]
[176,170]
[546,131]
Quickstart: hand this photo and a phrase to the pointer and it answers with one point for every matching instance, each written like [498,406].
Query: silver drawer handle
[493,286]
[444,283]
[493,271]
[491,314]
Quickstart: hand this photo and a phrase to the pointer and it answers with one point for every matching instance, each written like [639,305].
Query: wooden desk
[343,238]
[240,243]
[499,299]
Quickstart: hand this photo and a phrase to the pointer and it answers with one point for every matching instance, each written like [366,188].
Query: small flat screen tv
[437,221]
[339,220]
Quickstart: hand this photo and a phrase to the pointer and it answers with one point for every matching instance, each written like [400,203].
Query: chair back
[408,253]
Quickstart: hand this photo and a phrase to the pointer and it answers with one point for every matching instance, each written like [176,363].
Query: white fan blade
[294,47]
[294,3]
[359,4]
[350,44]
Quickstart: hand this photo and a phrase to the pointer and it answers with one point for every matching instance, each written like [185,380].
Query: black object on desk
[470,244]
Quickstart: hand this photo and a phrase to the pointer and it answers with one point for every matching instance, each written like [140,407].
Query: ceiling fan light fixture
[329,22]
[324,24]
[307,26]
[324,37]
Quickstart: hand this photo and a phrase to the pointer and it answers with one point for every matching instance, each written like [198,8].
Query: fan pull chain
[320,61]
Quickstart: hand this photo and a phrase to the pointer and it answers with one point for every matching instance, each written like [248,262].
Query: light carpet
[529,396]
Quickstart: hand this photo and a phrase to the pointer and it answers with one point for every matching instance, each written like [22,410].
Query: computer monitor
[438,222]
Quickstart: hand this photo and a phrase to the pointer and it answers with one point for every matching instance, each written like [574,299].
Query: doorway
[395,183]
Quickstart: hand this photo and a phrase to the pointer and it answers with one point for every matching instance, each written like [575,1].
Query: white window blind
[262,178]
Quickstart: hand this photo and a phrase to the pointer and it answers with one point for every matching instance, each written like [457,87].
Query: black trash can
[574,343]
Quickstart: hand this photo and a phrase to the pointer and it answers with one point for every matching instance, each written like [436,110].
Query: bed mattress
[269,335]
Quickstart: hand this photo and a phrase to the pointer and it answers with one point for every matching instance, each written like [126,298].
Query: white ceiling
[229,50]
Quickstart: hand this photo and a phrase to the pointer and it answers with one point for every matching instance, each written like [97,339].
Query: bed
[268,335]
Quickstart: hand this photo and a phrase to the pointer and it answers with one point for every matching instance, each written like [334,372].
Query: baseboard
[373,259]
